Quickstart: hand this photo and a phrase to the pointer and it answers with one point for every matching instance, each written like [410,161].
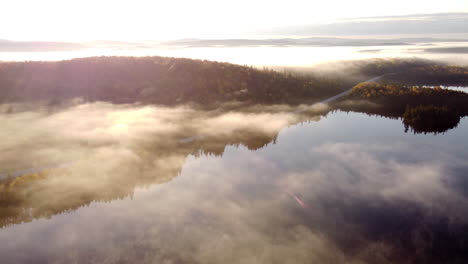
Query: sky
[137,20]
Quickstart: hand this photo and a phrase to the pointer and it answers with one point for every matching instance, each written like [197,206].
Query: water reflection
[418,119]
[279,188]
[115,149]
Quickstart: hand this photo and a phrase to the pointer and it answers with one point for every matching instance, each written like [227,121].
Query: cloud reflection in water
[372,196]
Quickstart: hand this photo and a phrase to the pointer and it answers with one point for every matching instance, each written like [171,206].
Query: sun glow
[257,56]
[144,19]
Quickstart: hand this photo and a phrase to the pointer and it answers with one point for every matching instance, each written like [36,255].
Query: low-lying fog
[81,131]
[147,184]
[267,54]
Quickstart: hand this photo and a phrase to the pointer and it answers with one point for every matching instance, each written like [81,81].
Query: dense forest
[158,80]
[400,96]
[169,81]
[423,110]
[414,71]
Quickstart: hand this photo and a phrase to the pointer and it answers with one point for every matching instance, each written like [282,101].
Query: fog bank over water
[234,132]
[70,134]
[260,185]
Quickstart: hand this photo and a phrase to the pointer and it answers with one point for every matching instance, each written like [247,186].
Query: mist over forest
[244,132]
[172,81]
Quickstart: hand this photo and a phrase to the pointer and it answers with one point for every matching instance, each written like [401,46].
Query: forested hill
[414,71]
[424,110]
[157,80]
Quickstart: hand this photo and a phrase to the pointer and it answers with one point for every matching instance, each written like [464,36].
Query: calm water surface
[348,188]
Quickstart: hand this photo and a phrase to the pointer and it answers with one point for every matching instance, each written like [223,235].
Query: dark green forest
[156,80]
[398,97]
[169,81]
[414,71]
[423,110]
[400,93]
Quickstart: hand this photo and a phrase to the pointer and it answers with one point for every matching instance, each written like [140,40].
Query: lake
[249,187]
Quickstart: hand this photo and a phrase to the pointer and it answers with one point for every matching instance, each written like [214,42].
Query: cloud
[387,178]
[309,42]
[449,50]
[91,149]
[442,23]
[116,149]
[38,46]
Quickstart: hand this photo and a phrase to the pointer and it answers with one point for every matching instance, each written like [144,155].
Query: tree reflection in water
[366,202]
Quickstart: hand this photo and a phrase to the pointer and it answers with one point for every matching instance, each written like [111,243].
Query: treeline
[430,118]
[168,81]
[415,71]
[157,80]
[423,110]
[162,80]
[400,96]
